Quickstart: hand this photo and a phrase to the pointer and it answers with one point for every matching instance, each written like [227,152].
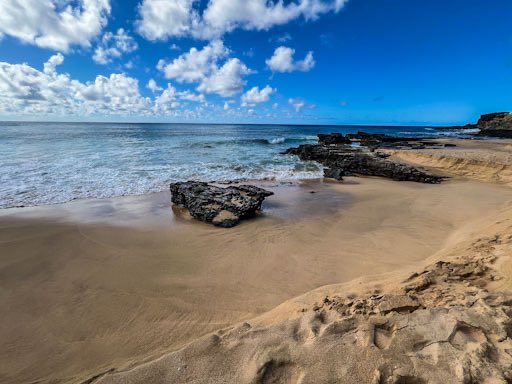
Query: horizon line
[455,126]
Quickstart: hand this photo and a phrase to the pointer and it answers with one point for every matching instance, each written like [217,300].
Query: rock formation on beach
[341,159]
[222,207]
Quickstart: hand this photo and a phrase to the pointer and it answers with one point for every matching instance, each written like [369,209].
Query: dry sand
[105,285]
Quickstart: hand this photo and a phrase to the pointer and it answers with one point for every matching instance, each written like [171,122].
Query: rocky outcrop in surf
[222,207]
[341,159]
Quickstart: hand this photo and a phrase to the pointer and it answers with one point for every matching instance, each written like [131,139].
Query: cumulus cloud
[191,96]
[153,86]
[167,101]
[204,68]
[221,16]
[255,96]
[161,19]
[113,46]
[116,94]
[194,65]
[282,61]
[52,63]
[26,90]
[227,80]
[54,24]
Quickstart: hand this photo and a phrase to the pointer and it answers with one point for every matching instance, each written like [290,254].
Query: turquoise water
[44,163]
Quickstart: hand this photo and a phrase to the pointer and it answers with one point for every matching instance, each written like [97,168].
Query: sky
[382,62]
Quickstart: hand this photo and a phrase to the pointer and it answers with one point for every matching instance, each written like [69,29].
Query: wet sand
[95,285]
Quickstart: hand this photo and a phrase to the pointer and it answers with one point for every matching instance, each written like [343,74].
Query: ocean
[47,163]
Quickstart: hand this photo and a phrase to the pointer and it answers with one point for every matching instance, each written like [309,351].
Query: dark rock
[334,173]
[492,120]
[380,140]
[333,138]
[344,160]
[500,133]
[223,207]
[380,137]
[498,124]
[454,127]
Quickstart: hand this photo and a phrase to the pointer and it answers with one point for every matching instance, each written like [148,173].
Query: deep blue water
[43,163]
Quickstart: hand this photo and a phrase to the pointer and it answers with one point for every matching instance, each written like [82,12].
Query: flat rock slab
[222,207]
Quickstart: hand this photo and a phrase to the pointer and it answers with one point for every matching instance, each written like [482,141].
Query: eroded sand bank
[488,161]
[110,284]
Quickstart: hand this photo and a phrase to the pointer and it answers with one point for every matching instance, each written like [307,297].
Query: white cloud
[282,61]
[113,46]
[255,96]
[191,96]
[161,19]
[116,94]
[153,86]
[26,90]
[54,24]
[204,68]
[284,38]
[52,63]
[299,104]
[194,65]
[226,80]
[226,106]
[167,101]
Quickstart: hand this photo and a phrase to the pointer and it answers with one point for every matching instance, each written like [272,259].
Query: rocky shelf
[341,159]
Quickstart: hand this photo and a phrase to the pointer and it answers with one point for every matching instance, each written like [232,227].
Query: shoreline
[143,209]
[110,294]
[443,319]
[105,274]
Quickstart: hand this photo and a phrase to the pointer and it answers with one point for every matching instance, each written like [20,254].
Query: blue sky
[303,61]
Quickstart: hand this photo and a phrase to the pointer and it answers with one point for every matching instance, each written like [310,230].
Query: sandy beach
[107,285]
[255,192]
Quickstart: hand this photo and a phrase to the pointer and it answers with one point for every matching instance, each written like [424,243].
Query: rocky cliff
[497,124]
